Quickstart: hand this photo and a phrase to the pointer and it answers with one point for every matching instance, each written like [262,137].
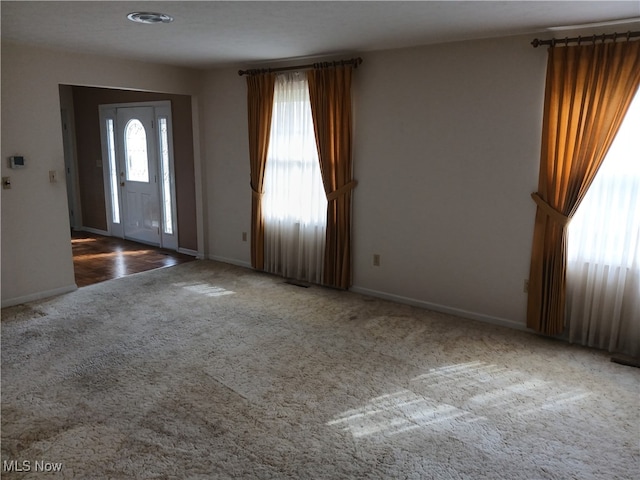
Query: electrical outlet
[525,286]
[376,260]
[244,236]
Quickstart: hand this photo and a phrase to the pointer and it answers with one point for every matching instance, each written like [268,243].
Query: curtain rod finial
[535,43]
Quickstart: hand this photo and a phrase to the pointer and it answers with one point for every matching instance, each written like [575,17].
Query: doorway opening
[159,203]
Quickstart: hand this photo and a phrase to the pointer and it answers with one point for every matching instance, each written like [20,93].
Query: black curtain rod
[589,38]
[256,71]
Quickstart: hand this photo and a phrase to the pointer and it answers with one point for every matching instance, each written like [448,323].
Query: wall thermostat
[16,162]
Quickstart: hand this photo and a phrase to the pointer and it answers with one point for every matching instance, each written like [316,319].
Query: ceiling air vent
[150,17]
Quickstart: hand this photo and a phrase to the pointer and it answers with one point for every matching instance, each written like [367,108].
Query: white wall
[226,144]
[447,142]
[36,249]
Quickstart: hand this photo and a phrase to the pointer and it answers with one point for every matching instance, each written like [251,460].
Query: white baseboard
[192,253]
[38,296]
[503,322]
[232,261]
[95,230]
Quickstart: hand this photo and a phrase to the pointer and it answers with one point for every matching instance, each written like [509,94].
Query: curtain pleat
[330,95]
[588,91]
[260,90]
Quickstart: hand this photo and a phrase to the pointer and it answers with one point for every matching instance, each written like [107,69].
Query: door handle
[122,184]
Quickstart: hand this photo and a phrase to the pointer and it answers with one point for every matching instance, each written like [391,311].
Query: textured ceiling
[207,34]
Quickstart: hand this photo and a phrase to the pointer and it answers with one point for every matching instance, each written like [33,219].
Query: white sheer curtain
[603,270]
[294,202]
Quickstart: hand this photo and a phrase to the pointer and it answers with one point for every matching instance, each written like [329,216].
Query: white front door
[135,138]
[139,174]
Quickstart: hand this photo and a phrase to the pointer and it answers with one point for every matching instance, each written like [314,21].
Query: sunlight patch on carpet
[205,289]
[447,398]
[396,413]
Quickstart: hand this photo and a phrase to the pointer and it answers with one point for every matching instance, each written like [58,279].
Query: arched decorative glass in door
[135,146]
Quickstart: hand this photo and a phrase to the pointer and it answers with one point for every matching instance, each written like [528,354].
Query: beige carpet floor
[206,370]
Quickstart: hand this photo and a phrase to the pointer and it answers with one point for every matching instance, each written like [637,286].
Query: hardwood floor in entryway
[97,258]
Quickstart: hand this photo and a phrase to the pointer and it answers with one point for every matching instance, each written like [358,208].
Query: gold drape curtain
[260,90]
[588,91]
[330,96]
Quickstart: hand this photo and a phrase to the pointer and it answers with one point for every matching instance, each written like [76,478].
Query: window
[603,268]
[294,203]
[606,227]
[166,176]
[113,172]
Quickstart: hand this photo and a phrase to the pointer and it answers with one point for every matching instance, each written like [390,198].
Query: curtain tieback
[342,190]
[255,193]
[559,217]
